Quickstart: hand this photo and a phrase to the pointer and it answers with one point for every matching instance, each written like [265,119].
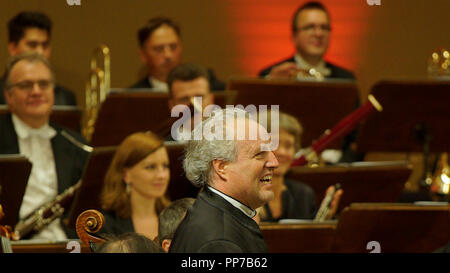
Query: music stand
[317,105]
[179,186]
[414,118]
[88,195]
[413,111]
[368,182]
[129,111]
[14,173]
[396,227]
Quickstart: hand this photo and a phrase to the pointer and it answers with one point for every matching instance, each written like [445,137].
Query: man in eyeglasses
[31,32]
[57,162]
[311,32]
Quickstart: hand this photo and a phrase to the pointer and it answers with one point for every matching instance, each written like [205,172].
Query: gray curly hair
[200,152]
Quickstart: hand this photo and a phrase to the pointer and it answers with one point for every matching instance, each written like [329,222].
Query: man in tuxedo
[310,34]
[160,49]
[235,175]
[185,82]
[57,161]
[30,32]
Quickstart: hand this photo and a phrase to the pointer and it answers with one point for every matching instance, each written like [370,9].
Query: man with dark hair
[57,162]
[31,32]
[160,49]
[185,82]
[311,32]
[170,218]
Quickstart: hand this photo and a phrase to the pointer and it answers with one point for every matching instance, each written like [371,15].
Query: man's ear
[220,168]
[12,48]
[166,244]
[142,55]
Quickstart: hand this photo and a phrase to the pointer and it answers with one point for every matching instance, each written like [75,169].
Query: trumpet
[97,88]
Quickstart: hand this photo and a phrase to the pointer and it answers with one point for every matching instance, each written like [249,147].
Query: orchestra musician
[292,199]
[31,32]
[311,30]
[57,163]
[160,49]
[187,81]
[134,191]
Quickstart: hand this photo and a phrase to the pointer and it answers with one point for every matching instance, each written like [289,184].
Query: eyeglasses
[29,85]
[312,27]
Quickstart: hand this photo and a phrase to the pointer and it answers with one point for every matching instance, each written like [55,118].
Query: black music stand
[318,105]
[130,111]
[14,173]
[88,195]
[415,118]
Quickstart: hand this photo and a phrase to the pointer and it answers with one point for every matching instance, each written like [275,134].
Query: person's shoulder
[340,72]
[142,83]
[265,71]
[65,134]
[64,96]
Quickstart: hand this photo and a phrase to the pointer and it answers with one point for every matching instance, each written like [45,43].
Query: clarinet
[46,214]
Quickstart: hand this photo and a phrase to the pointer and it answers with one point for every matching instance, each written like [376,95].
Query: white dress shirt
[158,86]
[246,210]
[42,184]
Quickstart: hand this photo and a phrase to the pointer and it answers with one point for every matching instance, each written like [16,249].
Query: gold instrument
[45,215]
[325,206]
[439,68]
[97,88]
[309,74]
[441,179]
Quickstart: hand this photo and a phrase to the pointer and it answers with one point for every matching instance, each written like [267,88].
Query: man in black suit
[30,32]
[235,175]
[57,161]
[311,31]
[160,50]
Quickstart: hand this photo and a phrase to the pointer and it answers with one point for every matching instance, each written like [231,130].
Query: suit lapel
[8,137]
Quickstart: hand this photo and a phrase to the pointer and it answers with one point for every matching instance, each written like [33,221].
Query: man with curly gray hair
[227,157]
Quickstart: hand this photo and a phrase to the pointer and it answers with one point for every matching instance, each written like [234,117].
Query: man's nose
[272,162]
[168,53]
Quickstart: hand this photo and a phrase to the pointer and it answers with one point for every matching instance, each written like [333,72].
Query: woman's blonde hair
[288,123]
[130,152]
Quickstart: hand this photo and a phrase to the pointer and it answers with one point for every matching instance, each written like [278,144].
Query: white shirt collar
[246,210]
[158,86]
[23,131]
[321,66]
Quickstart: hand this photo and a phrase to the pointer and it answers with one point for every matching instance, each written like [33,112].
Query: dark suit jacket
[336,71]
[63,96]
[213,225]
[214,83]
[69,159]
[298,202]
